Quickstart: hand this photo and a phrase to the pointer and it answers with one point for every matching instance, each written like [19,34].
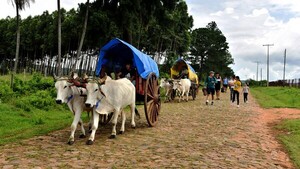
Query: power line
[268,60]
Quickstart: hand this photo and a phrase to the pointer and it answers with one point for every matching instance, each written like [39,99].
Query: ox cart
[181,69]
[115,55]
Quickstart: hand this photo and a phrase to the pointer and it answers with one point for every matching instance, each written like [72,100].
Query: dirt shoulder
[189,135]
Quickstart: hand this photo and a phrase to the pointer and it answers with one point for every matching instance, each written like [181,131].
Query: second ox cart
[181,69]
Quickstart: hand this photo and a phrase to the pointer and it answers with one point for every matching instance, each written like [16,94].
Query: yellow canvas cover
[179,65]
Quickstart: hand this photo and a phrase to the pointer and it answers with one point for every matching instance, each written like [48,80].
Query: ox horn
[55,78]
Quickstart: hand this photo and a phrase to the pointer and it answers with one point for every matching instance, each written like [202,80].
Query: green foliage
[30,108]
[277,97]
[254,83]
[30,86]
[37,92]
[290,137]
[18,124]
[209,50]
[6,93]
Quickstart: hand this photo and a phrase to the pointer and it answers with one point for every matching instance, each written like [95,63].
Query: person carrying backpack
[210,87]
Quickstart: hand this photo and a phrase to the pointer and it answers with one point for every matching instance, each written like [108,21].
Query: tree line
[160,28]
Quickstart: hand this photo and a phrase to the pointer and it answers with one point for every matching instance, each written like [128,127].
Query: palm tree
[20,5]
[82,35]
[59,39]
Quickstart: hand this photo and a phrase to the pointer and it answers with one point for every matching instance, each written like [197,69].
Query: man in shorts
[210,87]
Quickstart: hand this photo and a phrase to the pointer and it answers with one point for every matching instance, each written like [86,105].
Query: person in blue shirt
[225,84]
[210,83]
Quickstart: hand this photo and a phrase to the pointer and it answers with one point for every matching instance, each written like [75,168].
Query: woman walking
[231,86]
[218,85]
[236,90]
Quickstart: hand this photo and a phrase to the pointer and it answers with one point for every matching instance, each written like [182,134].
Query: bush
[254,83]
[6,93]
[41,100]
[23,103]
[38,92]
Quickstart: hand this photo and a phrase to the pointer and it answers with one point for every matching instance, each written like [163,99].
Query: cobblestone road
[189,135]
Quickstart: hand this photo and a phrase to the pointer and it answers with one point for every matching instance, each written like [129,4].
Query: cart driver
[128,72]
[184,73]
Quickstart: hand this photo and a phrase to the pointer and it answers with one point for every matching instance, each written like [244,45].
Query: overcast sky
[247,24]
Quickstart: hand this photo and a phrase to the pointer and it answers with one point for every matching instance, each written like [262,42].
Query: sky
[247,25]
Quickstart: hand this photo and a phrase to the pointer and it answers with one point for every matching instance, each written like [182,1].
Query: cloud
[258,12]
[248,25]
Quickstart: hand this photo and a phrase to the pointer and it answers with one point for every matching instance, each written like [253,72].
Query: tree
[59,40]
[209,50]
[20,5]
[82,35]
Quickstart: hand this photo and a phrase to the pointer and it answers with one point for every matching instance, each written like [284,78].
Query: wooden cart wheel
[194,91]
[104,119]
[152,100]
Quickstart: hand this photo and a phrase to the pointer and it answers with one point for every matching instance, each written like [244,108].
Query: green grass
[17,124]
[291,138]
[277,97]
[26,111]
[283,97]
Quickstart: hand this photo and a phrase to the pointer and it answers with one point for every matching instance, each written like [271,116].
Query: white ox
[113,96]
[183,87]
[168,88]
[71,95]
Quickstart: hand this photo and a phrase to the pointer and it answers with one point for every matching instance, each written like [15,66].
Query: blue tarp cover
[116,53]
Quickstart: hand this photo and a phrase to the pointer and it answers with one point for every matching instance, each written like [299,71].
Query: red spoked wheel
[152,102]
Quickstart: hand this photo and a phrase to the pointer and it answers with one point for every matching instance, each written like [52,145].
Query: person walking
[246,90]
[225,84]
[218,85]
[231,86]
[210,87]
[236,90]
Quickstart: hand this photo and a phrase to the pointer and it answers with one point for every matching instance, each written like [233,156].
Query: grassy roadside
[291,138]
[279,97]
[29,109]
[17,124]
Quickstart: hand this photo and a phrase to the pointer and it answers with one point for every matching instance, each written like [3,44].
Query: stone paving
[189,135]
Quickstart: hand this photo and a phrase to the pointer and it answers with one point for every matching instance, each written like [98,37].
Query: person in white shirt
[246,90]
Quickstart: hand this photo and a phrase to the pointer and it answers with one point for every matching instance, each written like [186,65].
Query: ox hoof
[71,142]
[81,136]
[112,136]
[121,132]
[89,142]
[132,126]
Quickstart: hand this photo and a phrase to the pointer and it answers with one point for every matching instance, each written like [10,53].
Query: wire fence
[287,83]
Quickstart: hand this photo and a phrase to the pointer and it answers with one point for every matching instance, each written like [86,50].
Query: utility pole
[261,74]
[257,63]
[284,62]
[268,61]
